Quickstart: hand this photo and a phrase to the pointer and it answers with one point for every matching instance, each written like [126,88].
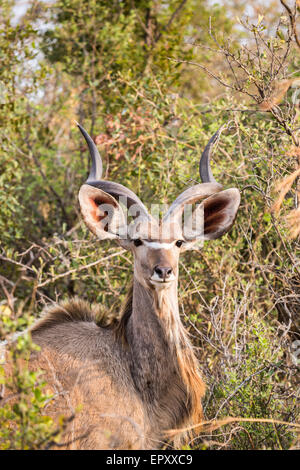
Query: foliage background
[126,71]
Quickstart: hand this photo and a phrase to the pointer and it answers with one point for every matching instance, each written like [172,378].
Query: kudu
[136,378]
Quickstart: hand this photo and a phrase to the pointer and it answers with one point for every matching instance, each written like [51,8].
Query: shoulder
[71,311]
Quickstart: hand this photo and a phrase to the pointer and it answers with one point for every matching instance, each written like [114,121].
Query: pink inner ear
[95,213]
[214,214]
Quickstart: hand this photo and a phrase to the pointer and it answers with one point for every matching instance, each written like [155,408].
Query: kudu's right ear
[100,201]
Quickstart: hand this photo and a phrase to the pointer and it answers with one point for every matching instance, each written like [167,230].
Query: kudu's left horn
[114,189]
[204,164]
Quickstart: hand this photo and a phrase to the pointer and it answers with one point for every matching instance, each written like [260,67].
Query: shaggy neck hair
[162,362]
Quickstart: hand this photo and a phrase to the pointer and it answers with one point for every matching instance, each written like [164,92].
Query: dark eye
[179,243]
[137,242]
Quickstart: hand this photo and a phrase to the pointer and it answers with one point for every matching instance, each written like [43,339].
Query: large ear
[101,212]
[218,212]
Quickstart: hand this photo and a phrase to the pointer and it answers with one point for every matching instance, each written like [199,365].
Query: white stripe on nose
[157,245]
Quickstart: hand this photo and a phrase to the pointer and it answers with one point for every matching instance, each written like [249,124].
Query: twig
[167,26]
[292,17]
[87,266]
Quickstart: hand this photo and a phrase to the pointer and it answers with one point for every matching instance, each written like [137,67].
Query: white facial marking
[155,279]
[157,245]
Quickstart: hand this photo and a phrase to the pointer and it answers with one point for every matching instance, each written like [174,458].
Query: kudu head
[156,246]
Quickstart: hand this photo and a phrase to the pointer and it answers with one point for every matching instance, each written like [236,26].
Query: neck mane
[162,362]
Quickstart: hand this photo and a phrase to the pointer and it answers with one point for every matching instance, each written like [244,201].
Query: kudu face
[156,252]
[156,246]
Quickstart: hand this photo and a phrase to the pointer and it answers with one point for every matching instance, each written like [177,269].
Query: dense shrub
[150,117]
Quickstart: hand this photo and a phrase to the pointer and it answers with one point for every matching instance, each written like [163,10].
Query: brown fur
[120,326]
[185,357]
[187,366]
[187,362]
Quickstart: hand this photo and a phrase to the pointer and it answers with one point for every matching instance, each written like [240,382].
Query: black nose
[164,272]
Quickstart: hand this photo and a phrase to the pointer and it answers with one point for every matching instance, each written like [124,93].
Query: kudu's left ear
[216,214]
[220,212]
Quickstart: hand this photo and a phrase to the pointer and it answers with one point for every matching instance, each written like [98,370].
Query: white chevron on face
[160,246]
